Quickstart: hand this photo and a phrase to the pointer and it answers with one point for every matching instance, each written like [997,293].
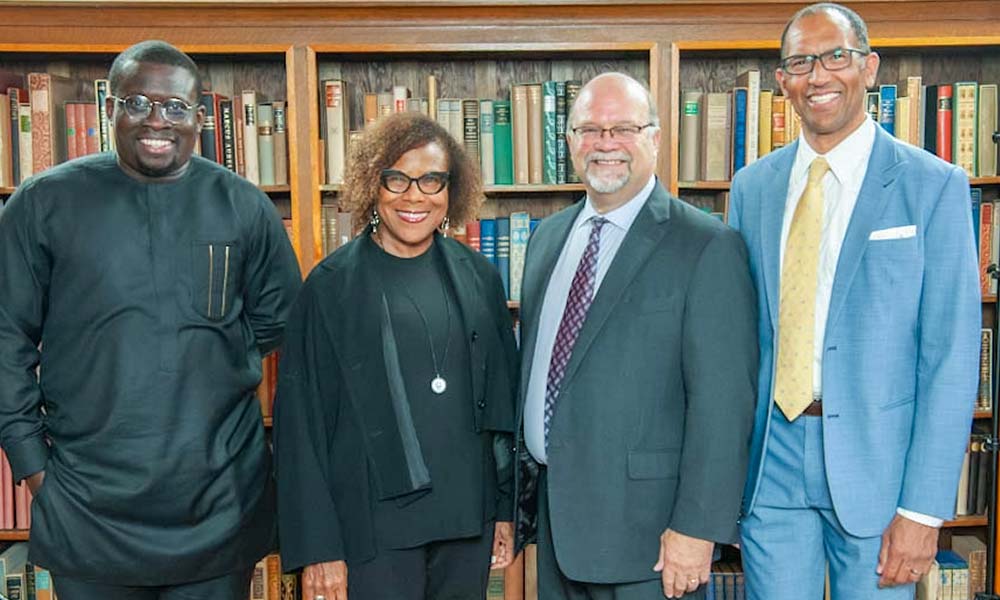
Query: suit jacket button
[481,404]
[475,336]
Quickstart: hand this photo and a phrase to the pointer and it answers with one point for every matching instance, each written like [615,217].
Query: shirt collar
[623,216]
[843,159]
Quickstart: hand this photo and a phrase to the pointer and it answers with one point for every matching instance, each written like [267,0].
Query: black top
[417,290]
[152,303]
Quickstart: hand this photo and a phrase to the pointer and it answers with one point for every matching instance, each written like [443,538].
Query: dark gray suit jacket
[653,423]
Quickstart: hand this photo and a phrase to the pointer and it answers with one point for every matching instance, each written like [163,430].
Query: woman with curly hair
[395,408]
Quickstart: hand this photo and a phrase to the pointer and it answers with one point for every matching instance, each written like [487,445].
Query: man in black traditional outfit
[146,284]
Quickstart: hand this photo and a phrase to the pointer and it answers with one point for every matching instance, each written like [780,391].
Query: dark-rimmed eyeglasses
[618,132]
[429,183]
[138,107]
[837,59]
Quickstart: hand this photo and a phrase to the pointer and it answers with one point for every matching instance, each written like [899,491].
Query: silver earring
[374,220]
[445,225]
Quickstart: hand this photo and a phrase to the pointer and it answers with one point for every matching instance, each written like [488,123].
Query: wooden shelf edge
[704,185]
[13,535]
[498,189]
[982,414]
[268,422]
[267,189]
[994,180]
[967,521]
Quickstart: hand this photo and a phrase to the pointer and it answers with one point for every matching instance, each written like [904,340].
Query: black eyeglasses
[837,59]
[618,132]
[429,183]
[138,107]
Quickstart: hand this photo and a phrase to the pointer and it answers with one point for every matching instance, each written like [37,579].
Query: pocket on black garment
[215,266]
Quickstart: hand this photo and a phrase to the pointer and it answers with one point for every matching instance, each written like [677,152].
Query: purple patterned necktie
[581,294]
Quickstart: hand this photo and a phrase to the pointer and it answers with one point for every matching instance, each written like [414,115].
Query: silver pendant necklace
[438,383]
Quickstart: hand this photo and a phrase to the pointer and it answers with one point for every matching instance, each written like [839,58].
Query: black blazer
[334,423]
[653,423]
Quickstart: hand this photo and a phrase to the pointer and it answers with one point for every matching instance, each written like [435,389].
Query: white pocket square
[894,233]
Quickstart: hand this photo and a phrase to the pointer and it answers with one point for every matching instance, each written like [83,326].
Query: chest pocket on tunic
[216,268]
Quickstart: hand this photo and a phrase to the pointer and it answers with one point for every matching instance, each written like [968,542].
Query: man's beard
[608,183]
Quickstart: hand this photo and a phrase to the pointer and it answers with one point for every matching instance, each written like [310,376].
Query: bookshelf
[288,47]
[471,71]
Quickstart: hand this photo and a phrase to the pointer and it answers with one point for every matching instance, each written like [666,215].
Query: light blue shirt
[612,235]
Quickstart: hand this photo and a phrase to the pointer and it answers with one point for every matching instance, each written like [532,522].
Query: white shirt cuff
[920,518]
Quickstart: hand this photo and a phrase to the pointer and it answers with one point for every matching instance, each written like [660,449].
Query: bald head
[618,83]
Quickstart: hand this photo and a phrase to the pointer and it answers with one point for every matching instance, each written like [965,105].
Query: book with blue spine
[520,229]
[887,108]
[549,151]
[488,239]
[503,252]
[739,128]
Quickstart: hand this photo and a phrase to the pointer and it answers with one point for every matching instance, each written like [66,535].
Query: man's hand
[685,563]
[327,579]
[503,545]
[34,481]
[908,550]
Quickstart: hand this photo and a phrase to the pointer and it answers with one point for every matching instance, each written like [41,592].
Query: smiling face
[408,220]
[612,169]
[154,148]
[831,104]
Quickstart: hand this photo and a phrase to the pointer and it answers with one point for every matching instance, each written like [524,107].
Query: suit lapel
[875,192]
[772,207]
[544,251]
[642,238]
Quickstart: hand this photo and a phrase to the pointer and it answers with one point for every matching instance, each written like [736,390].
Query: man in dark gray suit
[639,370]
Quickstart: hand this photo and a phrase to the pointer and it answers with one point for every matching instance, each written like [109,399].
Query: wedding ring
[915,572]
[320,597]
[692,581]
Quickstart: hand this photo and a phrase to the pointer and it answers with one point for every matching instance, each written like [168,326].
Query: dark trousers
[448,570]
[233,586]
[554,585]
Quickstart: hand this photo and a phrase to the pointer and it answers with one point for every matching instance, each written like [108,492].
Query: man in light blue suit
[862,252]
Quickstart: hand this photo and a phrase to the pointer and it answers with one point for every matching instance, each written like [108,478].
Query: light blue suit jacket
[900,358]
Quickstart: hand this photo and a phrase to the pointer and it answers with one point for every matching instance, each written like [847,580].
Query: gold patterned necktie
[793,386]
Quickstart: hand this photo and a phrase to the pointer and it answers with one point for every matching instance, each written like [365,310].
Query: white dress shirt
[841,185]
[612,234]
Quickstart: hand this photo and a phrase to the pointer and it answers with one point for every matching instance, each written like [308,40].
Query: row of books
[504,241]
[269,583]
[520,140]
[15,500]
[975,481]
[955,121]
[45,119]
[336,227]
[721,132]
[726,582]
[22,580]
[956,574]
[246,136]
[43,122]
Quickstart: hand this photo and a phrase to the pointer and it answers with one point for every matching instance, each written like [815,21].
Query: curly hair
[383,143]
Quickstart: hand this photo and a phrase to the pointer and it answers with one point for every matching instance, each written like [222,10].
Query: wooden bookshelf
[13,535]
[966,521]
[288,47]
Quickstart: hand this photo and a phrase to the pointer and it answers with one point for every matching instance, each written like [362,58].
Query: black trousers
[554,585]
[234,586]
[447,570]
